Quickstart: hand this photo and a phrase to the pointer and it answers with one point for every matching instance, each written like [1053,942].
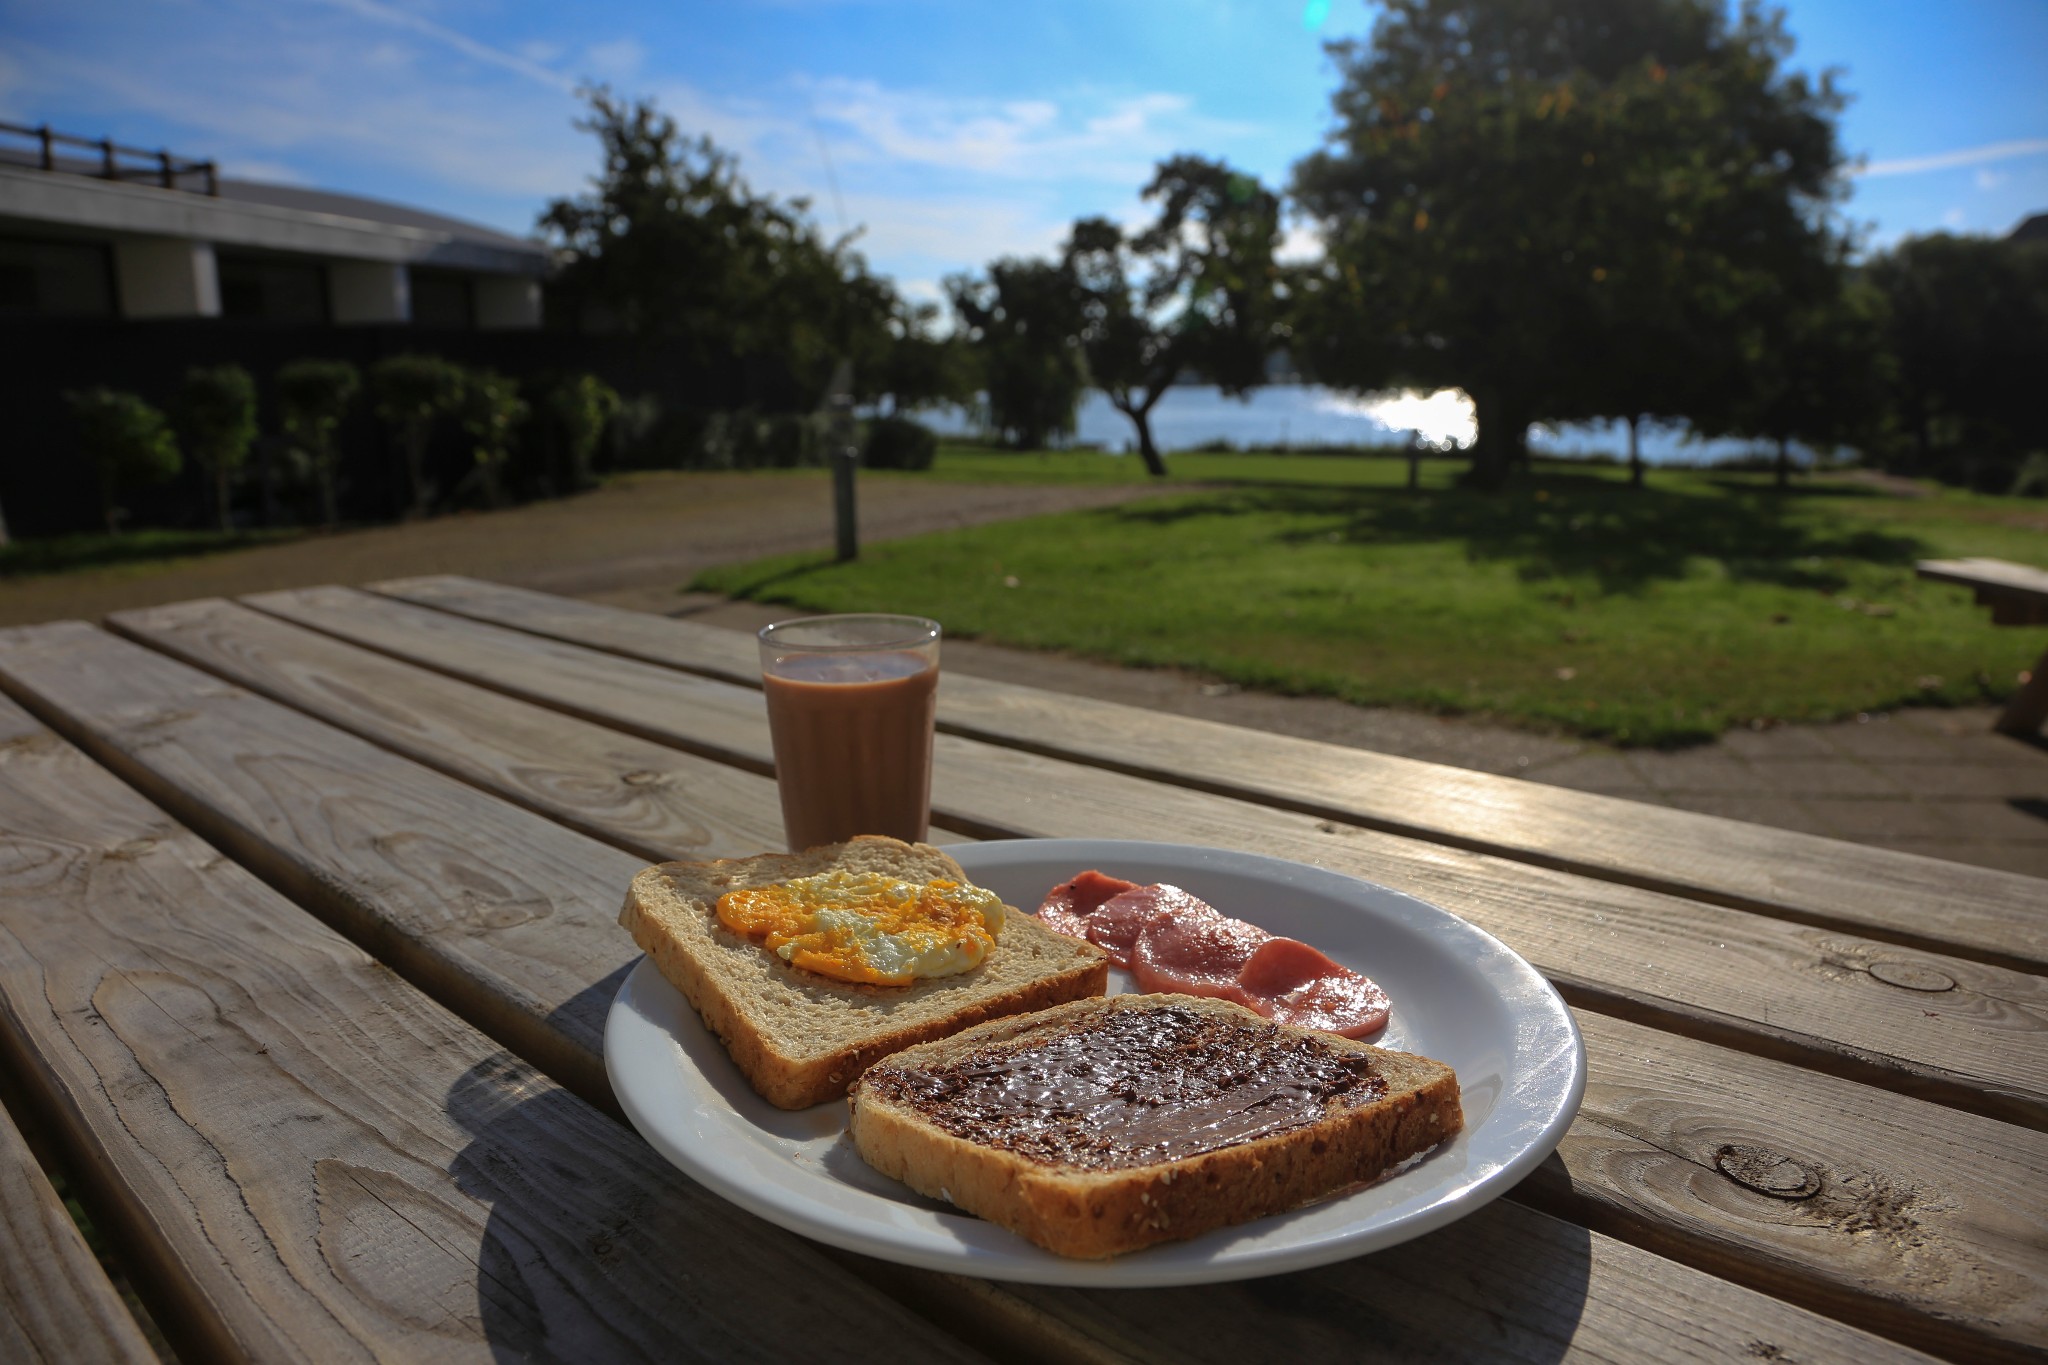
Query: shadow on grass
[1572,526]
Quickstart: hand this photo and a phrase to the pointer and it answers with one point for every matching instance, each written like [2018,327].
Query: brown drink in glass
[850,706]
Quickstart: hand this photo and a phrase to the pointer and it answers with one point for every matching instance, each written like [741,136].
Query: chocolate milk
[853,743]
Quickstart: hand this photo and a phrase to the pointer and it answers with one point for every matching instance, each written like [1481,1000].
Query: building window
[55,279]
[442,299]
[262,289]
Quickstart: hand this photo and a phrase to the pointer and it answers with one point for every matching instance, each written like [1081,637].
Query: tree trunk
[1635,454]
[5,539]
[1784,463]
[1141,418]
[109,514]
[1414,466]
[1502,438]
[220,497]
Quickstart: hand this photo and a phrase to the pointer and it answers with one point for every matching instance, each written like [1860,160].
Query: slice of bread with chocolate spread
[801,1038]
[1103,1126]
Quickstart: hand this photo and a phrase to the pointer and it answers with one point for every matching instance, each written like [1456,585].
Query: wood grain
[505,917]
[56,1304]
[317,1162]
[1949,1260]
[1960,1032]
[309,1160]
[656,802]
[1900,1216]
[1983,913]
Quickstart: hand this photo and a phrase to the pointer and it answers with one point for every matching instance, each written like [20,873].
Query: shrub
[127,441]
[217,416]
[491,410]
[899,443]
[411,392]
[315,395]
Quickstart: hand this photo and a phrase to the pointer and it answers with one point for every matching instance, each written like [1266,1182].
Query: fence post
[49,148]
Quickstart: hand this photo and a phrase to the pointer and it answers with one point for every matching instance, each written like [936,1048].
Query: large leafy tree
[1521,194]
[1194,291]
[1967,320]
[1021,323]
[671,242]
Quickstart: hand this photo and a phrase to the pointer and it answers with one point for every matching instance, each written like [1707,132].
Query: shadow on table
[595,1247]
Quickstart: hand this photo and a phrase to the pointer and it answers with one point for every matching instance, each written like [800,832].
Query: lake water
[1308,414]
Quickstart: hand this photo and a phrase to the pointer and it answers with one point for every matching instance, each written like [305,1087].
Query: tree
[128,442]
[1194,291]
[1967,321]
[1811,370]
[217,412]
[315,396]
[491,410]
[579,407]
[1501,165]
[1021,324]
[411,392]
[670,242]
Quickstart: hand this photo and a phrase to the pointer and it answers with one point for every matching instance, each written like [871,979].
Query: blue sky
[953,132]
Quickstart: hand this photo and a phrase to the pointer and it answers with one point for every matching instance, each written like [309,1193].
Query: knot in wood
[1913,976]
[1766,1171]
[640,777]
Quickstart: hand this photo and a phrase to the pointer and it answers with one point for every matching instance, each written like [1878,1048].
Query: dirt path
[634,542]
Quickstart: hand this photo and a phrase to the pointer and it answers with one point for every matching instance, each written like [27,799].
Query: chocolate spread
[1131,1087]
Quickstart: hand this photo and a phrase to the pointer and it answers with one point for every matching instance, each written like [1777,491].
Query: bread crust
[801,1038]
[1088,1213]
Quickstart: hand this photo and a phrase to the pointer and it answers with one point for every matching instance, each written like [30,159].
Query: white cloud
[614,61]
[1964,156]
[514,62]
[1954,218]
[1990,179]
[1080,136]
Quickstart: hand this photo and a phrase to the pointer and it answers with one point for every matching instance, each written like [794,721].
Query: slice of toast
[801,1038]
[1093,1134]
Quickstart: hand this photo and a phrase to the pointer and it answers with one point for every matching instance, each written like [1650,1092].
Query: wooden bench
[2017,596]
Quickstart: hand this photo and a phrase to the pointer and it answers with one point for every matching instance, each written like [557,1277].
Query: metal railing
[134,165]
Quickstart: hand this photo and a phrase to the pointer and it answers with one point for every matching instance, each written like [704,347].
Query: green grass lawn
[1567,602]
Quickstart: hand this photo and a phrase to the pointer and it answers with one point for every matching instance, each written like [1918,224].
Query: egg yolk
[868,927]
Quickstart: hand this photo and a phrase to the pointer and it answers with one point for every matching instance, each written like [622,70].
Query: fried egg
[867,926]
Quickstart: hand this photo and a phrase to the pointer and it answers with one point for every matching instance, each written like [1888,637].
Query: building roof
[260,216]
[2031,229]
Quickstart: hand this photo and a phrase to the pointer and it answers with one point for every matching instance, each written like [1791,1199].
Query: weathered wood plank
[1437,1299]
[505,917]
[656,802]
[1983,913]
[56,1305]
[1642,1162]
[196,1029]
[1998,575]
[1960,1032]
[1900,1216]
[312,1161]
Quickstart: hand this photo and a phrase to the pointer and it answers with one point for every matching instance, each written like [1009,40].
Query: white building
[110,236]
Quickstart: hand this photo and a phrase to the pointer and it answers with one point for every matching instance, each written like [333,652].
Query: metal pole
[845,456]
[49,148]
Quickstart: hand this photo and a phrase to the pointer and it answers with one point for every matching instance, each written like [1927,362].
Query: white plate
[1459,995]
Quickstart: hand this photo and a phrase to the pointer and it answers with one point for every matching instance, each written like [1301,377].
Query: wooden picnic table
[307,942]
[2018,596]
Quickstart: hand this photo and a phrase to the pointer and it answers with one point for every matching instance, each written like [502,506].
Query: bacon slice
[1068,905]
[1174,941]
[1197,955]
[1119,922]
[1292,983]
